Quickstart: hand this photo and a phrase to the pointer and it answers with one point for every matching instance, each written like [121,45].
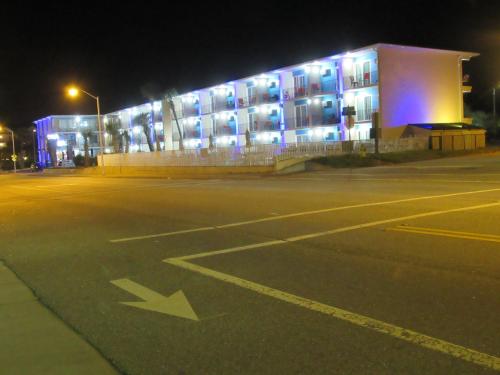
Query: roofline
[49,116]
[467,54]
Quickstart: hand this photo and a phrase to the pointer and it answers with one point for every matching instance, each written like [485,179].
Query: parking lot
[374,270]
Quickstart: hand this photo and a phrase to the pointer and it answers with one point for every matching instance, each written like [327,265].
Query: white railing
[259,155]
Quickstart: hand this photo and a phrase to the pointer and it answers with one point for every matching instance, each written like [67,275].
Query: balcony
[257,100]
[225,129]
[190,110]
[466,85]
[324,120]
[358,81]
[191,133]
[217,107]
[305,92]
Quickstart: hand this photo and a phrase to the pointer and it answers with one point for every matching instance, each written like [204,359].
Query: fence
[260,155]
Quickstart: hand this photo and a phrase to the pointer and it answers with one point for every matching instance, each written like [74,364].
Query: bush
[79,161]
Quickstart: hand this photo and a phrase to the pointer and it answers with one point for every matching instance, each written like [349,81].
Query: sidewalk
[35,341]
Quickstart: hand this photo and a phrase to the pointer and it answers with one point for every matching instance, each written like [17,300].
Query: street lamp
[14,156]
[494,107]
[73,93]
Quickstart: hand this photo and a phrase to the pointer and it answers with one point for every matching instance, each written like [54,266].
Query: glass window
[301,116]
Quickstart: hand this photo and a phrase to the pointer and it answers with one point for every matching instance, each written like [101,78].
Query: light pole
[14,156]
[493,94]
[494,111]
[73,92]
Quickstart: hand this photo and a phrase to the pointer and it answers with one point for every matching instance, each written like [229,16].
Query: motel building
[408,91]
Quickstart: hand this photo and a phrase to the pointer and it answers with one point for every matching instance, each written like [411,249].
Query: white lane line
[426,180]
[161,234]
[334,231]
[416,338]
[232,249]
[304,213]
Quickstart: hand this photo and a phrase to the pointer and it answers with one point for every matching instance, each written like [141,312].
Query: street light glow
[73,92]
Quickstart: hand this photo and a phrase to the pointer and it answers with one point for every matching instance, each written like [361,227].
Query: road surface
[368,271]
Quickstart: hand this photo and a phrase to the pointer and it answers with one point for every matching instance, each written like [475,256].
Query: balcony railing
[257,99]
[189,111]
[313,120]
[304,92]
[191,132]
[323,120]
[260,125]
[357,81]
[221,129]
[217,107]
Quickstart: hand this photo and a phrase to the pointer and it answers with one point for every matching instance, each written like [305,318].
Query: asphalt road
[388,270]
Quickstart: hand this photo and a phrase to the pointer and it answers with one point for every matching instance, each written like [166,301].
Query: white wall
[418,86]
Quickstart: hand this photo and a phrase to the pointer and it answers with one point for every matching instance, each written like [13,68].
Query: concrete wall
[418,86]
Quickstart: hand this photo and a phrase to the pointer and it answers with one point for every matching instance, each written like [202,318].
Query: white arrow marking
[177,304]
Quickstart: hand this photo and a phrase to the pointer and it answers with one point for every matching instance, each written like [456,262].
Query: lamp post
[494,111]
[73,92]
[14,156]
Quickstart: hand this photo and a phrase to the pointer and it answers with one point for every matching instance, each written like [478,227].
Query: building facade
[395,85]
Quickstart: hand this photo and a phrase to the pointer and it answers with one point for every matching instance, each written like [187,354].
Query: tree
[155,133]
[482,119]
[126,138]
[142,119]
[113,127]
[86,134]
[248,138]
[211,142]
[170,94]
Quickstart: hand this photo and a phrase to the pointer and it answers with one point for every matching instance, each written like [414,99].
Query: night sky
[127,52]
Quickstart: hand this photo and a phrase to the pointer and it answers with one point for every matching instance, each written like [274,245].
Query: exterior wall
[303,103]
[418,86]
[60,137]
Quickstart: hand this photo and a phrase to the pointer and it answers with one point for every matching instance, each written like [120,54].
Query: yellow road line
[334,231]
[303,213]
[447,233]
[413,337]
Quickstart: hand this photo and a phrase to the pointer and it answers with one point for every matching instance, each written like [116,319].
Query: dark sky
[125,51]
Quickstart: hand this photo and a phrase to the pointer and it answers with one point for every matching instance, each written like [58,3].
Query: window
[251,94]
[300,85]
[212,103]
[299,81]
[328,73]
[359,74]
[214,126]
[328,104]
[301,116]
[366,73]
[252,122]
[363,108]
